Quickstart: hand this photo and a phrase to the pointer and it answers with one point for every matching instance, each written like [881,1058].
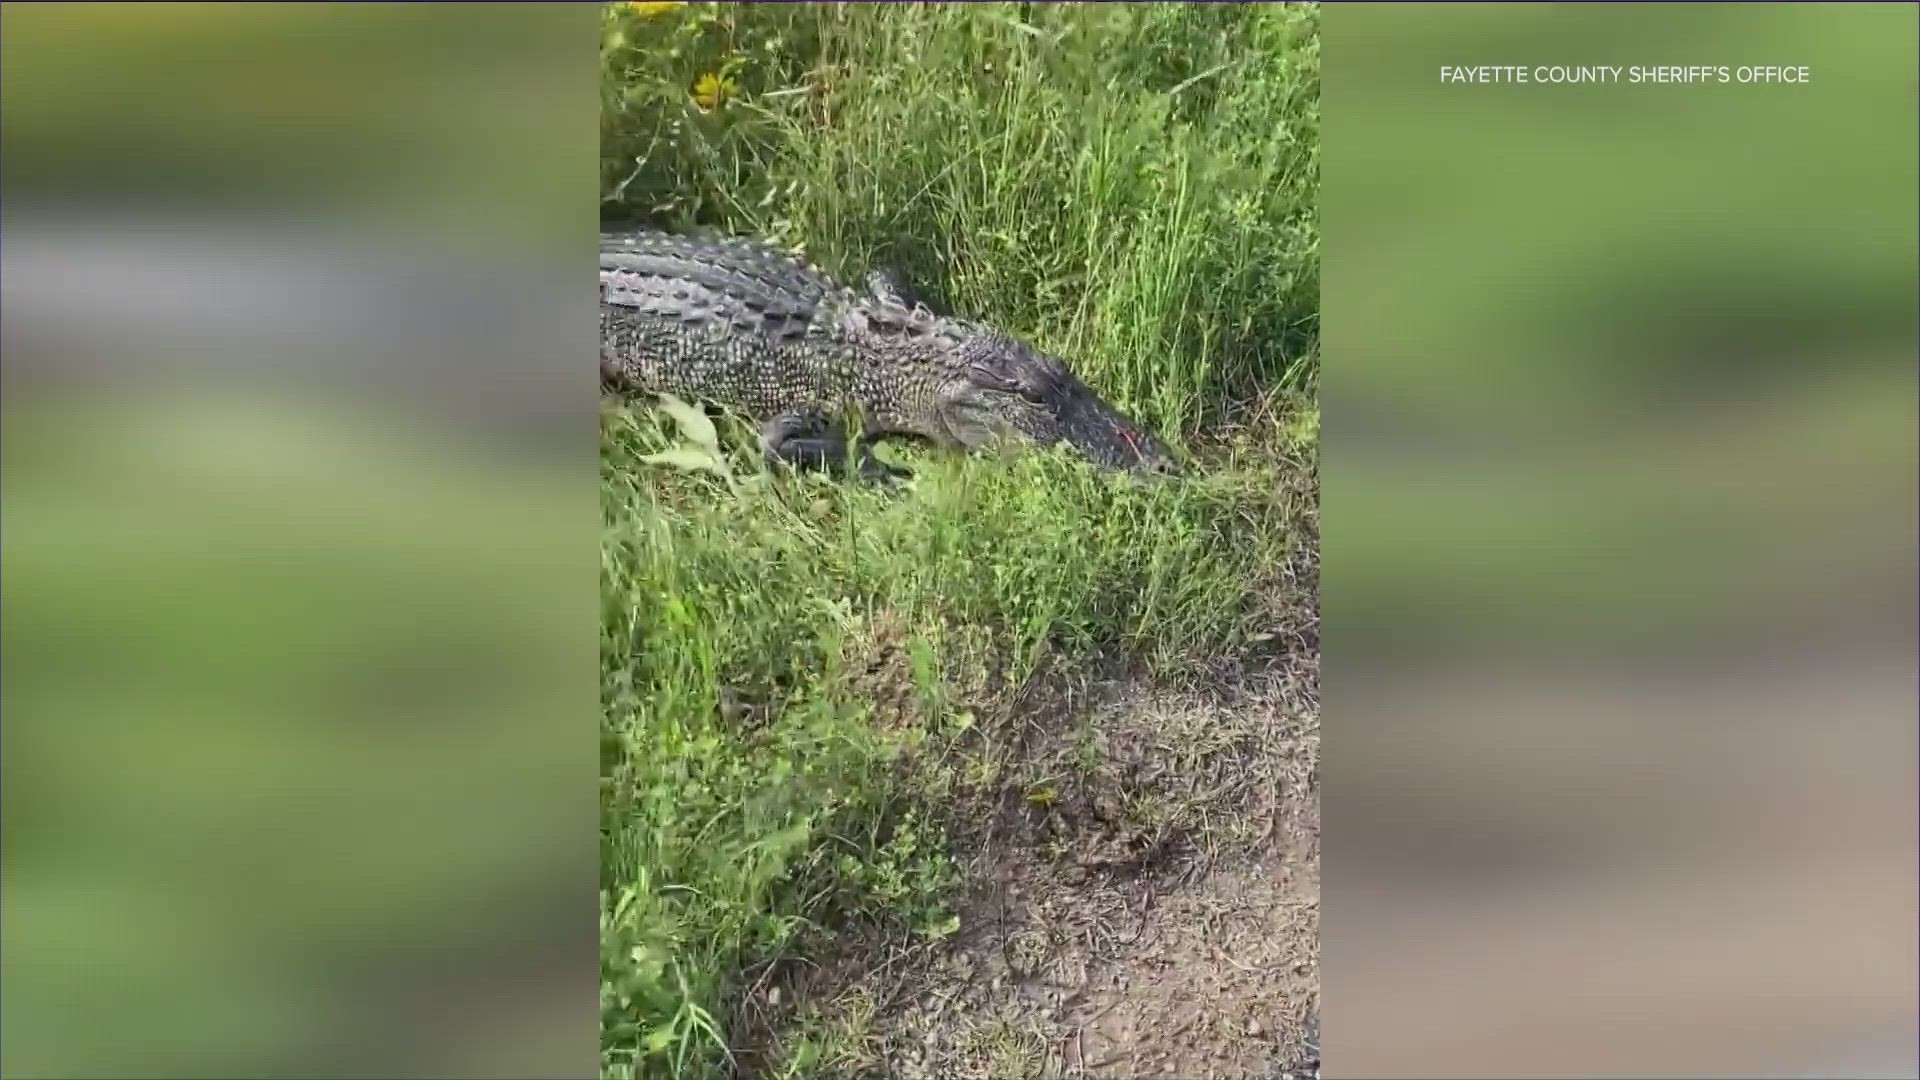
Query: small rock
[1254,1030]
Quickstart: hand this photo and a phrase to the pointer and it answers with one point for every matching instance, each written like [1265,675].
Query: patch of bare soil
[1151,901]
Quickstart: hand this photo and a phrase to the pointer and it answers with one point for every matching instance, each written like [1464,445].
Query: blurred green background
[1588,334]
[300,539]
[1620,471]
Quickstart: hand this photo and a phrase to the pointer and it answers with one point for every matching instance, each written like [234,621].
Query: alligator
[827,370]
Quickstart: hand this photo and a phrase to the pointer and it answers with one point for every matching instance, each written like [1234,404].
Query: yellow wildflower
[647,9]
[712,89]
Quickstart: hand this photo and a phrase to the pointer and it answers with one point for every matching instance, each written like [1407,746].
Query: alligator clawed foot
[805,439]
[873,470]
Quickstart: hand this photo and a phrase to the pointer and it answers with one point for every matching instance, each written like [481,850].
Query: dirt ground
[1146,886]
[1146,901]
[1149,908]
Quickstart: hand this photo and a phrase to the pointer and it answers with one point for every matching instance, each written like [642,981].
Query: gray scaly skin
[742,325]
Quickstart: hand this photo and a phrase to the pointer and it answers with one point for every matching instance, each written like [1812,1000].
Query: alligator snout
[1151,456]
[1111,439]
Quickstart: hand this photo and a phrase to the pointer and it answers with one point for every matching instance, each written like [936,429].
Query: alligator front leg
[807,439]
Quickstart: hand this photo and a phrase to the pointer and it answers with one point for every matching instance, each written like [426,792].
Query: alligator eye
[1001,384]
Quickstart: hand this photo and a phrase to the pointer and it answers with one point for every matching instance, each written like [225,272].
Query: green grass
[798,676]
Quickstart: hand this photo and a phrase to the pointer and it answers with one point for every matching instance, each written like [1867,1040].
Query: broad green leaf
[692,421]
[689,459]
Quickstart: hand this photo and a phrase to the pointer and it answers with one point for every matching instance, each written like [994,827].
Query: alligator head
[1005,388]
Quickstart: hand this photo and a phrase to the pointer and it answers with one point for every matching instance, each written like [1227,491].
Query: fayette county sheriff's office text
[1612,73]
